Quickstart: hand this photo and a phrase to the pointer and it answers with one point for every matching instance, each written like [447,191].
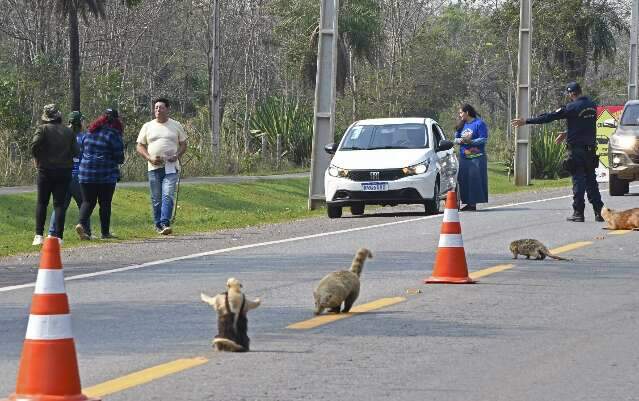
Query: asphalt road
[540,330]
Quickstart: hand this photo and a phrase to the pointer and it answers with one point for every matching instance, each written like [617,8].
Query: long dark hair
[467,108]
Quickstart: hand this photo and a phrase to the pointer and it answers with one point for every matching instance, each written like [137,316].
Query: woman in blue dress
[472,179]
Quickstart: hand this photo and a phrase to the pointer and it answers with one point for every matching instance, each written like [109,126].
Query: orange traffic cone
[48,366]
[450,262]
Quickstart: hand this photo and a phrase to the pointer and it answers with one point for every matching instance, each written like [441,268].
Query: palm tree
[360,35]
[70,9]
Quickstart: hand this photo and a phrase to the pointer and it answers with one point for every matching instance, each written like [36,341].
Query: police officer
[580,115]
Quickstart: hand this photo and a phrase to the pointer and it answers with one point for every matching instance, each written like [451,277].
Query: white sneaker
[60,240]
[38,240]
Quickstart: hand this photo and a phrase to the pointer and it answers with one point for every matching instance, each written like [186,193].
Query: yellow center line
[324,319]
[570,247]
[491,270]
[143,376]
[619,232]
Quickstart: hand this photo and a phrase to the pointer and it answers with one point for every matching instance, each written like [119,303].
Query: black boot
[577,216]
[598,214]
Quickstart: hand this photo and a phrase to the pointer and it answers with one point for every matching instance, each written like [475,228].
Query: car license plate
[374,186]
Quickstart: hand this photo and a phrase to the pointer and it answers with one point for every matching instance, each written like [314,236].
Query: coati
[531,248]
[624,220]
[341,286]
[231,307]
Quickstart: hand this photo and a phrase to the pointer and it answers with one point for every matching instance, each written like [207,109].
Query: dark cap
[75,117]
[573,87]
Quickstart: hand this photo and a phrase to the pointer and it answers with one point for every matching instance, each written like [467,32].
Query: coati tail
[358,260]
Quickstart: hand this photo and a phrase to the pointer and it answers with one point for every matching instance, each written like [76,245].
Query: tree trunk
[74,57]
[214,78]
[353,86]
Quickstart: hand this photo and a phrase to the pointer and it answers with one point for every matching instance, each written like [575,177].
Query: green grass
[202,208]
[499,183]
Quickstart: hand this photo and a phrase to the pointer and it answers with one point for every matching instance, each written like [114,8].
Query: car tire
[617,186]
[334,212]
[358,209]
[437,204]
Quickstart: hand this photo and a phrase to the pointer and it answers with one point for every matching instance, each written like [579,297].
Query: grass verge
[202,208]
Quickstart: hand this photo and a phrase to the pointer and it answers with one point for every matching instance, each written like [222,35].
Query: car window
[388,136]
[630,115]
[437,135]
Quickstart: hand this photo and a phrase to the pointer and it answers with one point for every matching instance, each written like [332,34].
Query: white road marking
[263,244]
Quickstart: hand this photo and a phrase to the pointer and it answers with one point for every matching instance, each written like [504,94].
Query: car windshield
[630,115]
[388,136]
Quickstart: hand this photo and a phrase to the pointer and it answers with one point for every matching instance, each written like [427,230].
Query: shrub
[546,155]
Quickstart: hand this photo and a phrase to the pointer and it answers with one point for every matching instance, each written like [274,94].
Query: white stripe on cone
[451,216]
[49,327]
[50,282]
[450,241]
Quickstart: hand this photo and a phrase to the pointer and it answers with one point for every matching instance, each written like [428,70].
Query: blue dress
[472,178]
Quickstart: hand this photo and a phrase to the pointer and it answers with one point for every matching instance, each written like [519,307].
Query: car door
[447,162]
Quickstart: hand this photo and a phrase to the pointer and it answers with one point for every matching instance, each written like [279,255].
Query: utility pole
[632,77]
[522,108]
[324,111]
[214,78]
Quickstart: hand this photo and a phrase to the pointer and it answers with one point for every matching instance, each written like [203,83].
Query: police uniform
[582,159]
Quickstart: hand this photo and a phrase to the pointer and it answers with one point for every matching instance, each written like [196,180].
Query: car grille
[369,175]
[634,158]
[399,196]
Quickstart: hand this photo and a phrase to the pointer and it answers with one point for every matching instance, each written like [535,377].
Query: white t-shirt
[161,139]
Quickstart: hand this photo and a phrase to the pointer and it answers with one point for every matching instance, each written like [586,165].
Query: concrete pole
[522,107]
[632,76]
[324,120]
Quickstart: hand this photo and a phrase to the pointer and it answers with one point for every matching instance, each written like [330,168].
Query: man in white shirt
[162,142]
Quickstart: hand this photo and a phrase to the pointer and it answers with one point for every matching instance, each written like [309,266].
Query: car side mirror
[444,144]
[330,148]
[610,123]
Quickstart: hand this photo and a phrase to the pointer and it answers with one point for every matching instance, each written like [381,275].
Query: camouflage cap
[50,113]
[75,117]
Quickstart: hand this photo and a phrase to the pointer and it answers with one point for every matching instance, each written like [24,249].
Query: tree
[70,9]
[360,35]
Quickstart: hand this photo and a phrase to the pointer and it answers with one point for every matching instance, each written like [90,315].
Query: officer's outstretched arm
[558,114]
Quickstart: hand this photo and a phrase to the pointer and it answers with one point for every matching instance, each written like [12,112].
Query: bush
[547,156]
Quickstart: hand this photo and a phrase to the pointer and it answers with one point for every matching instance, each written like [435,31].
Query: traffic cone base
[48,366]
[450,263]
[450,267]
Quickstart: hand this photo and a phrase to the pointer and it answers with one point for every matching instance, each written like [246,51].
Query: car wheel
[357,209]
[334,212]
[437,204]
[617,186]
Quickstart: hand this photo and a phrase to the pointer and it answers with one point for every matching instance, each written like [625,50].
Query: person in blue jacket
[102,152]
[580,137]
[472,179]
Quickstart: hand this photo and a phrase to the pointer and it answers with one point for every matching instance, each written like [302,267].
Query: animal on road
[232,323]
[341,286]
[622,220]
[532,248]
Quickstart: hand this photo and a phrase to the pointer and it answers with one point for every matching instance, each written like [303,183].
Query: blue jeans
[162,196]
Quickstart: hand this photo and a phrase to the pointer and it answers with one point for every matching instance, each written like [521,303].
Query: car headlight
[420,168]
[622,141]
[335,171]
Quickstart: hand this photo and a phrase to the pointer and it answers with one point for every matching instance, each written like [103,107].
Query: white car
[390,161]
